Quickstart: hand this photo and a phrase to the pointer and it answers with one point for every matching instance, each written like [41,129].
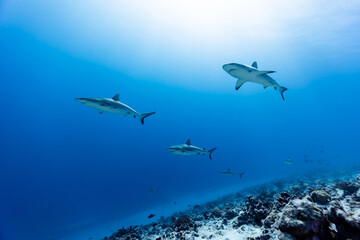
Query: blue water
[64,167]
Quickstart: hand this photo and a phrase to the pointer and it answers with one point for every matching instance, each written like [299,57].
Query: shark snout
[80,100]
[228,67]
[172,149]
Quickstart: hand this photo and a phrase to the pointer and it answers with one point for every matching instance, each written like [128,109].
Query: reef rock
[183,224]
[282,200]
[270,219]
[320,196]
[217,212]
[285,236]
[345,216]
[256,210]
[241,219]
[348,187]
[302,219]
[127,233]
[230,214]
[358,179]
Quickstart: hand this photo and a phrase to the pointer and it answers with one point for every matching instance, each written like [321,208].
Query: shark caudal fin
[144,115]
[282,90]
[211,151]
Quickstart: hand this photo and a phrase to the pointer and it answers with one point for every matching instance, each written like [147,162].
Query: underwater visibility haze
[66,168]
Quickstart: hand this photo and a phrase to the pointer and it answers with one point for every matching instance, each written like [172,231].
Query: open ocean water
[66,169]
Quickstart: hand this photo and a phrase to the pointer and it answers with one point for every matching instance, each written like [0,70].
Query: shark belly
[117,108]
[109,108]
[268,81]
[246,76]
[186,151]
[252,76]
[122,111]
[262,81]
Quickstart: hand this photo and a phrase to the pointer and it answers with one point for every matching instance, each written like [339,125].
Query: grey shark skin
[230,173]
[189,150]
[245,73]
[112,105]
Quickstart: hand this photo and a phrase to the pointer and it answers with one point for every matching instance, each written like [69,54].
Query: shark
[112,105]
[188,150]
[288,161]
[245,73]
[230,173]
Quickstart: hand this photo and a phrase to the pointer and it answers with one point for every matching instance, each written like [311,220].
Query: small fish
[188,150]
[151,216]
[153,190]
[288,161]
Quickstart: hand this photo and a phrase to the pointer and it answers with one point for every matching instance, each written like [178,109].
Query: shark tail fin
[144,115]
[282,90]
[211,151]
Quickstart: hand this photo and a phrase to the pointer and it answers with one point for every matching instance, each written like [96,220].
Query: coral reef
[286,210]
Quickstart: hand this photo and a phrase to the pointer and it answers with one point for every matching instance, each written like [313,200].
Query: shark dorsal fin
[188,142]
[254,65]
[116,97]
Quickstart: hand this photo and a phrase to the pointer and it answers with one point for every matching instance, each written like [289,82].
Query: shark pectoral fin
[116,97]
[254,65]
[263,72]
[188,142]
[239,83]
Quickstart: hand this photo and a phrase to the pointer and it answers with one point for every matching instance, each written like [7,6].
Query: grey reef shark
[245,73]
[112,105]
[288,161]
[189,150]
[230,173]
